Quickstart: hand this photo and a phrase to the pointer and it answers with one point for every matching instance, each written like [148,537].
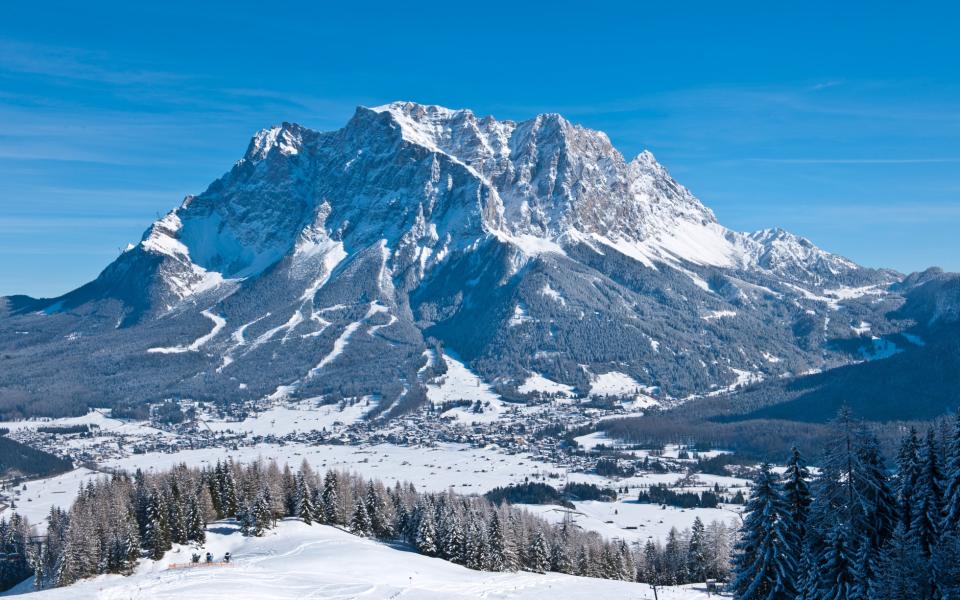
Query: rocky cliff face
[323,261]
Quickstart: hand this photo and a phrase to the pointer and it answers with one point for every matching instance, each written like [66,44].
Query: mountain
[917,380]
[334,263]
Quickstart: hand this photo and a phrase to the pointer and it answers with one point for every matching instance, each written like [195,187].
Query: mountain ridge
[419,222]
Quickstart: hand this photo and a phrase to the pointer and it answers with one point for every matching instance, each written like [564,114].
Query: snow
[288,419]
[218,324]
[629,248]
[538,383]
[591,440]
[296,560]
[519,316]
[341,342]
[375,328]
[295,319]
[338,345]
[332,253]
[460,383]
[742,378]
[553,294]
[283,391]
[650,520]
[701,244]
[848,293]
[683,241]
[530,245]
[237,335]
[613,383]
[435,469]
[98,417]
[279,137]
[862,328]
[41,495]
[718,314]
[831,302]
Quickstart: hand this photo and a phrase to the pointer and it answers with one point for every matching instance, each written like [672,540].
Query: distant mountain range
[332,263]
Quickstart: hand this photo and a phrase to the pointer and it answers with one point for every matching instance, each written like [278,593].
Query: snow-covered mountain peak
[417,221]
[286,138]
[788,254]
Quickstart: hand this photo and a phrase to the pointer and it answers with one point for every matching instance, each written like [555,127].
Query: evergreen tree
[808,582]
[585,562]
[426,540]
[360,521]
[796,492]
[497,550]
[946,566]
[303,500]
[538,555]
[262,516]
[927,515]
[175,517]
[197,527]
[560,559]
[156,540]
[877,512]
[696,553]
[908,472]
[864,569]
[951,509]
[837,578]
[628,567]
[477,547]
[331,499]
[228,493]
[380,526]
[674,558]
[900,568]
[763,563]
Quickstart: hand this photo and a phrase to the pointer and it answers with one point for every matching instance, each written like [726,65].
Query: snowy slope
[297,561]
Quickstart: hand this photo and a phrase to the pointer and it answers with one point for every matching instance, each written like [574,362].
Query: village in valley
[467,439]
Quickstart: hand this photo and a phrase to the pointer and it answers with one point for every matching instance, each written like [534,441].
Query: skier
[209,557]
[226,557]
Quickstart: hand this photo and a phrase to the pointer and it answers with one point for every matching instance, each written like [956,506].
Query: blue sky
[839,121]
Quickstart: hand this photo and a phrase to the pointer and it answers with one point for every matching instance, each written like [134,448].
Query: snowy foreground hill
[530,249]
[299,561]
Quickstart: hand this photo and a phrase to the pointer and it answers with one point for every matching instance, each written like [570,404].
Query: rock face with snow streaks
[331,258]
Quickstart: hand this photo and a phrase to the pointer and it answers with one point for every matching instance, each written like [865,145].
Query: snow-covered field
[463,468]
[37,497]
[460,383]
[300,561]
[97,417]
[632,521]
[304,416]
[538,383]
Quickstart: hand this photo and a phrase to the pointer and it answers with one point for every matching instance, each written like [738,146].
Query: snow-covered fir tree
[764,567]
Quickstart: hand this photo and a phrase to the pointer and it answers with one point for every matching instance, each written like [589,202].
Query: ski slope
[319,562]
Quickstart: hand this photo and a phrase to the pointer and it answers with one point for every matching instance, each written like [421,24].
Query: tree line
[117,520]
[858,531]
